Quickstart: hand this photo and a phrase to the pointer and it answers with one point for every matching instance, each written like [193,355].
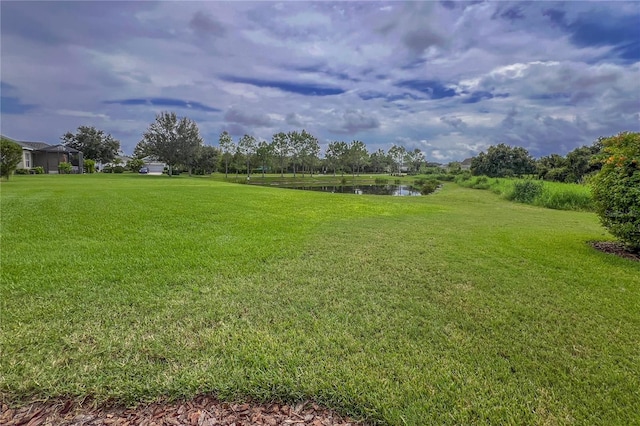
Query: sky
[449,78]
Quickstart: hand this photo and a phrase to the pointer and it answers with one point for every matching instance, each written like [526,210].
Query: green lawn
[454,308]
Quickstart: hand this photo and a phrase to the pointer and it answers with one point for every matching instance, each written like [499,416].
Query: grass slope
[456,308]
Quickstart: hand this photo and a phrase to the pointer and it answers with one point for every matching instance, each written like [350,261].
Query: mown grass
[457,308]
[554,195]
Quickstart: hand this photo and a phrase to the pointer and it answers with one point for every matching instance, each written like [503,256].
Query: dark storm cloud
[454,122]
[354,120]
[234,115]
[164,102]
[422,38]
[202,23]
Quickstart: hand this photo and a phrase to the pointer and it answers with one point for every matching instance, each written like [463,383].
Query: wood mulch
[613,247]
[201,411]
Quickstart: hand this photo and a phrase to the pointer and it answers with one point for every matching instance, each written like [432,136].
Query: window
[27,160]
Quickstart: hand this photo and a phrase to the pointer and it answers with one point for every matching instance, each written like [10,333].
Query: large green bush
[616,188]
[10,156]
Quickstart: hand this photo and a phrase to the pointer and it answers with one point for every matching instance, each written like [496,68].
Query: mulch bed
[201,411]
[616,248]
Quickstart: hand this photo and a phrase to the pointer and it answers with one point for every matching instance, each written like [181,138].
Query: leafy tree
[296,148]
[616,187]
[552,167]
[398,155]
[93,143]
[10,156]
[579,162]
[502,161]
[336,156]
[416,160]
[134,164]
[206,160]
[172,140]
[264,153]
[310,148]
[358,156]
[228,148]
[280,149]
[247,147]
[379,161]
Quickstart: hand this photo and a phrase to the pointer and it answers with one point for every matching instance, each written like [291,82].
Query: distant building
[466,164]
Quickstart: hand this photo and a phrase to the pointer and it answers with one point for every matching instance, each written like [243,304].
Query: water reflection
[397,190]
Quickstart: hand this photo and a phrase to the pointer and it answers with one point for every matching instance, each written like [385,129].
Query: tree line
[507,161]
[176,141]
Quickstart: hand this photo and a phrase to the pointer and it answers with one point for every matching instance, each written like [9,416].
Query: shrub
[428,186]
[616,188]
[10,156]
[39,170]
[65,168]
[90,166]
[22,171]
[526,191]
[118,169]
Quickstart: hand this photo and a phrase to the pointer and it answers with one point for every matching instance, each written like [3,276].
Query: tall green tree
[172,140]
[247,147]
[93,143]
[10,156]
[227,149]
[280,149]
[398,155]
[358,156]
[379,161]
[206,160]
[264,153]
[416,160]
[336,156]
[309,152]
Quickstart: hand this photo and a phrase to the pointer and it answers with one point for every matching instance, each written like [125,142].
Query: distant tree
[398,155]
[616,187]
[310,149]
[454,168]
[379,161]
[552,167]
[247,147]
[579,162]
[134,165]
[206,160]
[172,140]
[416,160]
[358,156]
[93,143]
[502,161]
[264,153]
[336,156]
[227,148]
[280,149]
[10,156]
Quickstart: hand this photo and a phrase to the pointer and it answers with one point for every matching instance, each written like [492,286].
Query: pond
[397,190]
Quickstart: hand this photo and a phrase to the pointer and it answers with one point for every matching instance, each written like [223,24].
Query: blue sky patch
[433,88]
[13,105]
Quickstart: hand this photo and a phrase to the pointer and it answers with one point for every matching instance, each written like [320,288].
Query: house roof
[28,144]
[59,148]
[467,161]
